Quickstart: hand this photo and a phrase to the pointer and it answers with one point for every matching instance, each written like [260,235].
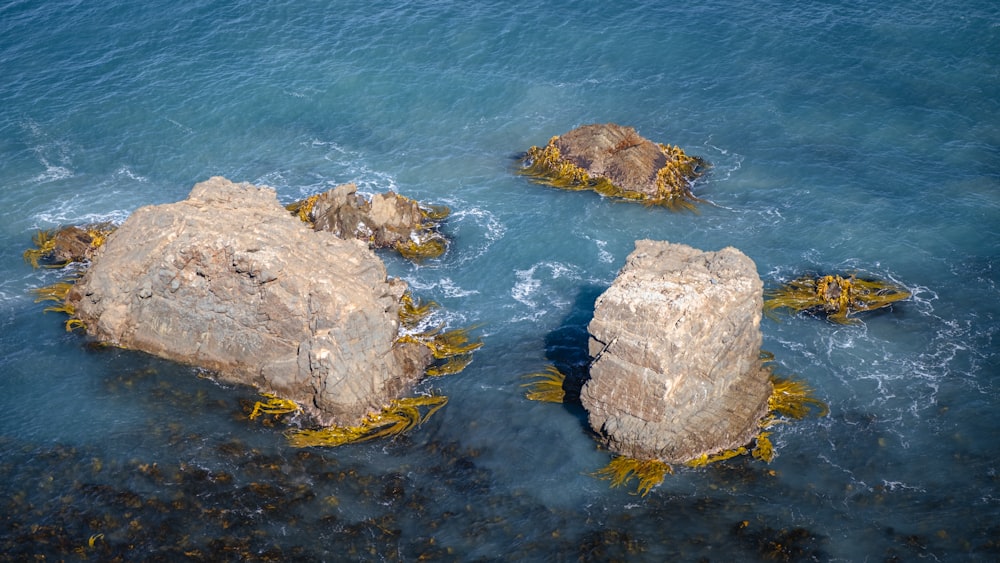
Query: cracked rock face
[229,281]
[675,343]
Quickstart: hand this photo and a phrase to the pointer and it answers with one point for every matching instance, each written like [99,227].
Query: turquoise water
[844,137]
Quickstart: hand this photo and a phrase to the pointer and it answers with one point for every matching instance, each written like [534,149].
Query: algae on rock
[616,161]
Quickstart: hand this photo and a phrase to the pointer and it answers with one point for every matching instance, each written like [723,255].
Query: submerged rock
[616,161]
[675,343]
[227,280]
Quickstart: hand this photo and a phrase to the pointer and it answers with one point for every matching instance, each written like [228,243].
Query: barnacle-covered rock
[616,161]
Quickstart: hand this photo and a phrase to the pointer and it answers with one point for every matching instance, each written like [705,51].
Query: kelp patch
[396,418]
[835,296]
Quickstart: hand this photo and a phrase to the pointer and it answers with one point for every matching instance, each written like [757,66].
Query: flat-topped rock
[675,343]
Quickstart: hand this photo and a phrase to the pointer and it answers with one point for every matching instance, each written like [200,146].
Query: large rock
[228,280]
[675,343]
[615,160]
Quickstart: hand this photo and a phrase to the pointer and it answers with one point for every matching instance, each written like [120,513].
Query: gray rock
[675,343]
[229,281]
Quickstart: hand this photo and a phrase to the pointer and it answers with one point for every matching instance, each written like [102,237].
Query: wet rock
[227,280]
[675,343]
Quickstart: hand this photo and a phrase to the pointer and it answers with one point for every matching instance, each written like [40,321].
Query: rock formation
[229,281]
[616,161]
[389,220]
[675,346]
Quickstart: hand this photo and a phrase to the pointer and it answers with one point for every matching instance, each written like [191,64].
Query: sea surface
[845,137]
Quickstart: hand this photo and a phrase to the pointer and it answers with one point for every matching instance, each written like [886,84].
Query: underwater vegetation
[546,165]
[394,419]
[833,295]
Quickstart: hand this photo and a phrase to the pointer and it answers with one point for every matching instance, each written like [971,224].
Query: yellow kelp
[792,399]
[398,417]
[303,208]
[412,313]
[706,459]
[426,246]
[272,404]
[444,344]
[549,386]
[58,292]
[45,244]
[763,449]
[622,469]
[451,365]
[834,295]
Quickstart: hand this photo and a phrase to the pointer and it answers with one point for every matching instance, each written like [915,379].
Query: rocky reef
[229,281]
[616,161]
[676,373]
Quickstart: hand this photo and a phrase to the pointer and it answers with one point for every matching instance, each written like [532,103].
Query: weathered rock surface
[615,152]
[228,280]
[675,343]
[387,219]
[616,161]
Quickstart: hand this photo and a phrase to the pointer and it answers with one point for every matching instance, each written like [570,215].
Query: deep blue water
[844,137]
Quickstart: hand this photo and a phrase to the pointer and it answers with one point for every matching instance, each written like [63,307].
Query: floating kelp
[833,295]
[616,162]
[398,417]
[58,292]
[450,365]
[792,399]
[444,344]
[412,313]
[422,248]
[622,469]
[272,404]
[548,387]
[706,459]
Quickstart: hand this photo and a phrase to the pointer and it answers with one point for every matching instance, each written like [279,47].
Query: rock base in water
[228,280]
[675,343]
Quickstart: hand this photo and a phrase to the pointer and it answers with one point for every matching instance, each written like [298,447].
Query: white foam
[127,172]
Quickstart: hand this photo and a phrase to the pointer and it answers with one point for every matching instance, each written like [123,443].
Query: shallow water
[843,137]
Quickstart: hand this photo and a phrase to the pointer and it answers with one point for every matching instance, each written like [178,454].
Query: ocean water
[844,137]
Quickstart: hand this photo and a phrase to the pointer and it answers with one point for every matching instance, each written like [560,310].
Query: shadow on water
[566,347]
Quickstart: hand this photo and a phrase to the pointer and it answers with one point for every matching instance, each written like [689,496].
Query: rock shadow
[566,346]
